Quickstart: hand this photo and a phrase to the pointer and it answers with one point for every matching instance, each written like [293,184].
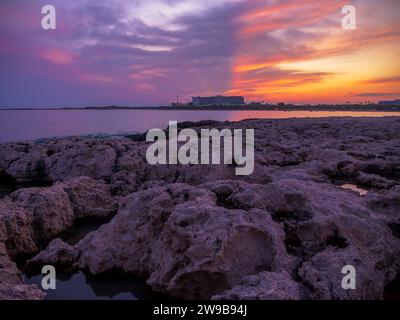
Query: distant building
[390,103]
[218,101]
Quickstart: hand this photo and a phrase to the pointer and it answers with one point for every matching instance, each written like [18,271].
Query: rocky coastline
[200,231]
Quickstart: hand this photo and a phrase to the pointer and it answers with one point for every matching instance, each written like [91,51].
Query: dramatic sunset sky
[147,52]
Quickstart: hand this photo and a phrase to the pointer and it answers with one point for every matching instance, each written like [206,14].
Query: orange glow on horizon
[324,64]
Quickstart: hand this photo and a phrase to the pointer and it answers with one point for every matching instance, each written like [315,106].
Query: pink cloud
[57,56]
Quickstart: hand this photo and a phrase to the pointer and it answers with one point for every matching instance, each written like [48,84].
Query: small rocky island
[200,231]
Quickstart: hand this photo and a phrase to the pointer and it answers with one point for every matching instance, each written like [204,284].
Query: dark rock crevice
[8,184]
[392,290]
[83,227]
[395,228]
[291,215]
[336,241]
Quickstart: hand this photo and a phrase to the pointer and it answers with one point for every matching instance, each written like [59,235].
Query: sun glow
[316,62]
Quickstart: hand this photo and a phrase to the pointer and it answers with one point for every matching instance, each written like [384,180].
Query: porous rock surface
[11,284]
[201,232]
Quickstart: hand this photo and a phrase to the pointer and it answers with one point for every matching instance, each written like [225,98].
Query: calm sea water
[81,286]
[20,125]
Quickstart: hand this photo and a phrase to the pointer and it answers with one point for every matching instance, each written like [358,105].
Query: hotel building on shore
[218,101]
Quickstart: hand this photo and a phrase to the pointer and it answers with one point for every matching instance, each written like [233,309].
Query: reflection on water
[353,187]
[81,286]
[34,124]
[242,115]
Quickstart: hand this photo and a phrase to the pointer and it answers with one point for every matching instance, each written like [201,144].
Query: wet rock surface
[11,284]
[201,232]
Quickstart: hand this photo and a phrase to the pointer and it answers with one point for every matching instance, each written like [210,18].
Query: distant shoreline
[289,107]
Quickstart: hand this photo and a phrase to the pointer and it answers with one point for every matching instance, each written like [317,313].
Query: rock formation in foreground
[201,232]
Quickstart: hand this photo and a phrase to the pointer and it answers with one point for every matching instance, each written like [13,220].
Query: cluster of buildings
[239,101]
[218,101]
[390,103]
